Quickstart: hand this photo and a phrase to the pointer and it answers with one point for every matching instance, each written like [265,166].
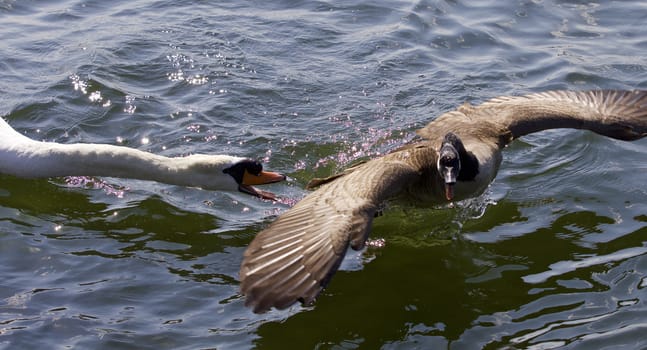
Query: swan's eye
[239,169]
[254,168]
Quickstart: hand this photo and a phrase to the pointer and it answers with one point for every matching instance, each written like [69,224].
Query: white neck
[24,157]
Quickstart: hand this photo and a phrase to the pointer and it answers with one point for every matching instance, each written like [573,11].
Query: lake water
[553,255]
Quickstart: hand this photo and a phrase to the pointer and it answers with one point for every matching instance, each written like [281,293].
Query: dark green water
[553,255]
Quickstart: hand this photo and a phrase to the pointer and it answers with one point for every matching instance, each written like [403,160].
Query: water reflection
[311,87]
[478,293]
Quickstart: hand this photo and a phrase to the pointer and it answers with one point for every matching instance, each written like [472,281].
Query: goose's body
[457,157]
[23,157]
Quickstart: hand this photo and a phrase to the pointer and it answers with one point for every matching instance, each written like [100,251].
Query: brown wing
[617,114]
[295,257]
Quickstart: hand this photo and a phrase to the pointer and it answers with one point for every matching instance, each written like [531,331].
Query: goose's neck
[469,162]
[469,165]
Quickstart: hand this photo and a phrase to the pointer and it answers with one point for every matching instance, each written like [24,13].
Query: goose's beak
[263,178]
[450,181]
[449,191]
[449,177]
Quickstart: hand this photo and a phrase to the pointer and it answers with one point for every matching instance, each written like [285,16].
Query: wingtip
[262,293]
[257,306]
[261,303]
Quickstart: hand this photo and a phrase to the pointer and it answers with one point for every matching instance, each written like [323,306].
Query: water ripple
[552,255]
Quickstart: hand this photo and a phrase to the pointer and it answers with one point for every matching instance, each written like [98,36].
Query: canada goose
[23,157]
[295,257]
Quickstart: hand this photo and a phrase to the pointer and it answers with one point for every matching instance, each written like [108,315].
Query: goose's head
[247,172]
[449,162]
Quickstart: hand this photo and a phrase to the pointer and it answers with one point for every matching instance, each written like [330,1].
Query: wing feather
[294,258]
[617,114]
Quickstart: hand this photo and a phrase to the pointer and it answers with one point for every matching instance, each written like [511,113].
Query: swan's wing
[618,114]
[295,257]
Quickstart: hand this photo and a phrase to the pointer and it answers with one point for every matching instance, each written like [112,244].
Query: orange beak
[265,177]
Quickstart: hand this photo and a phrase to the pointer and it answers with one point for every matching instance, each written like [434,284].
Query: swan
[457,156]
[26,158]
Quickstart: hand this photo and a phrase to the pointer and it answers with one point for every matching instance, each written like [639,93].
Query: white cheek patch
[450,176]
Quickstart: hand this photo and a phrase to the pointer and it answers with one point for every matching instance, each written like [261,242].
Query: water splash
[79,84]
[130,104]
[362,141]
[83,86]
[95,184]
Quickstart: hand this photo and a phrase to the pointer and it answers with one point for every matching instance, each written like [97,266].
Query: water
[552,256]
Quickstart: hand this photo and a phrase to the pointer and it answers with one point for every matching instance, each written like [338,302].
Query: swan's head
[247,172]
[449,163]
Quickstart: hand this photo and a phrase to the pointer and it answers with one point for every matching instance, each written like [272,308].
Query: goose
[457,156]
[23,157]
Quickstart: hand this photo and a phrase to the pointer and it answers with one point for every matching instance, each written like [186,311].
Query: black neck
[469,163]
[469,166]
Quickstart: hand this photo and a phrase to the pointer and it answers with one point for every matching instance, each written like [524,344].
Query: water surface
[553,255]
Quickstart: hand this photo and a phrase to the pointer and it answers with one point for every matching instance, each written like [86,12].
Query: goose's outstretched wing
[617,114]
[295,257]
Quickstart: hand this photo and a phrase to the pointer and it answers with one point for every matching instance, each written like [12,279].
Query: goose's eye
[448,161]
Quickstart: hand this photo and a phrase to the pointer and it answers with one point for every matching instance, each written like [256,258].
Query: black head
[250,172]
[449,162]
[237,171]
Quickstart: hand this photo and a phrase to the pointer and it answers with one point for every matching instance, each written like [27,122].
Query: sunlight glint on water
[552,256]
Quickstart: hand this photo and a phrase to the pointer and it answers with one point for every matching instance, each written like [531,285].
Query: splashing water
[96,184]
[362,142]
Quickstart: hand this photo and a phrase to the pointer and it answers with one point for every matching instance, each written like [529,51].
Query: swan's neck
[27,158]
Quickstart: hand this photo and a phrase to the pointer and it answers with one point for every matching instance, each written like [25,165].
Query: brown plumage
[296,256]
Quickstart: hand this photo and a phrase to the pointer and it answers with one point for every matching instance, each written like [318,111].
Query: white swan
[23,157]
